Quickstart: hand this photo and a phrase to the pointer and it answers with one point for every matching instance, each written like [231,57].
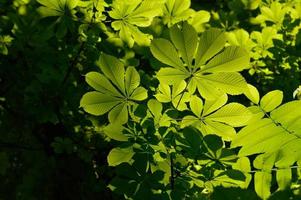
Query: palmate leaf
[63,10]
[179,10]
[116,90]
[56,7]
[216,118]
[203,63]
[176,11]
[128,15]
[277,139]
[274,13]
[240,37]
[155,112]
[174,95]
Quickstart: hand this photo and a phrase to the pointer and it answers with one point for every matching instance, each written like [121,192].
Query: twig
[72,64]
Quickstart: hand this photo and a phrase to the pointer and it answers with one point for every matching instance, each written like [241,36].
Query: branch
[72,64]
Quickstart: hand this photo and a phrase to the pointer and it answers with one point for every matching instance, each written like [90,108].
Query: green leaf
[227,82]
[198,20]
[284,177]
[218,78]
[132,80]
[164,94]
[232,59]
[114,131]
[213,142]
[128,15]
[223,130]
[171,76]
[189,120]
[271,100]
[243,164]
[119,114]
[120,155]
[139,94]
[214,104]
[100,83]
[262,181]
[241,38]
[277,141]
[211,42]
[177,95]
[155,107]
[191,142]
[113,98]
[233,114]
[57,7]
[196,105]
[176,11]
[275,13]
[113,69]
[165,52]
[5,41]
[97,103]
[227,179]
[185,39]
[252,94]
